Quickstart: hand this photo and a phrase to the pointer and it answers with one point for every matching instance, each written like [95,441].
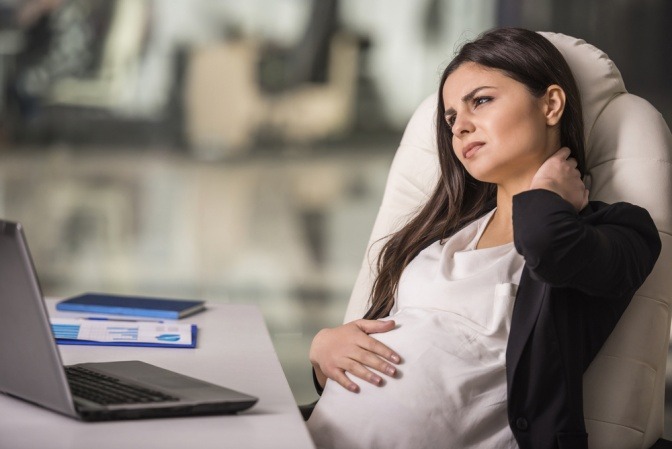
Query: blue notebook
[171,309]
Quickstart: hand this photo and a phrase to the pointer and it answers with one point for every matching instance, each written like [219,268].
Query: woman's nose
[463,125]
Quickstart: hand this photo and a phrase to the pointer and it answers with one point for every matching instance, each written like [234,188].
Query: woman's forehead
[469,76]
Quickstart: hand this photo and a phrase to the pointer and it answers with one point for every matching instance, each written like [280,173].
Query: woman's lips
[471,149]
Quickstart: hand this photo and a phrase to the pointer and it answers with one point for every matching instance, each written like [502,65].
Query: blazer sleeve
[605,250]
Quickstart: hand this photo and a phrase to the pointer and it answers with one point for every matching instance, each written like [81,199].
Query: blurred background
[237,150]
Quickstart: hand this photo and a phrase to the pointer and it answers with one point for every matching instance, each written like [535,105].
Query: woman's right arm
[349,348]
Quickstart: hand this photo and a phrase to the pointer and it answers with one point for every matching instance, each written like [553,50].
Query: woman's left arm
[604,250]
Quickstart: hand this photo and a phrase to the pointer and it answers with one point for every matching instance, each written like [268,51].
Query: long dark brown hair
[459,198]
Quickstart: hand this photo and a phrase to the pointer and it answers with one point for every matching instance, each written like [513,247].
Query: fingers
[560,174]
[373,345]
[361,365]
[357,369]
[562,153]
[574,176]
[339,376]
[343,380]
[375,326]
[372,354]
[369,358]
[348,350]
[586,194]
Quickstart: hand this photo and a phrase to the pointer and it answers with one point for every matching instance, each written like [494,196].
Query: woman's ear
[554,104]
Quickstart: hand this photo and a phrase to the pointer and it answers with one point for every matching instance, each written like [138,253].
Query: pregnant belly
[451,380]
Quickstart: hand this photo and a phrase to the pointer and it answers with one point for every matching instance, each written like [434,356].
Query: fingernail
[353,388]
[395,358]
[376,380]
[389,370]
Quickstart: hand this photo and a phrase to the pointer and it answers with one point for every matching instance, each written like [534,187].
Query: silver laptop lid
[30,364]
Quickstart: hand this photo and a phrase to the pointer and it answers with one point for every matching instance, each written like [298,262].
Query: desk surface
[234,350]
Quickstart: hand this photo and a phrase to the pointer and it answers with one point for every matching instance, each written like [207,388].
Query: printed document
[122,331]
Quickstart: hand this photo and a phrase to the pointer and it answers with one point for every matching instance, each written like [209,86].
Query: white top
[453,313]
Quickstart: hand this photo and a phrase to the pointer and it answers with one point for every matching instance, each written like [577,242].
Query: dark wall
[636,34]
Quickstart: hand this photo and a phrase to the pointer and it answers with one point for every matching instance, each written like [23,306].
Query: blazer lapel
[526,310]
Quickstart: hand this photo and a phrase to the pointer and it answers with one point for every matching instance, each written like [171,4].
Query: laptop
[31,368]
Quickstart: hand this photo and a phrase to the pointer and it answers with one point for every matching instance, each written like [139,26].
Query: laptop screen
[31,366]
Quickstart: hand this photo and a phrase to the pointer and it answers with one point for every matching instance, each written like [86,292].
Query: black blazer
[581,271]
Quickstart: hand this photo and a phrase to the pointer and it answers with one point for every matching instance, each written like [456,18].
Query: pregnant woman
[492,301]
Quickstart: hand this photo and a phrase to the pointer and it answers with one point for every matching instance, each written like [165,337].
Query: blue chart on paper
[69,331]
[131,333]
[112,333]
[168,337]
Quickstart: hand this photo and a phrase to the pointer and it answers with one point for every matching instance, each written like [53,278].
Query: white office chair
[629,158]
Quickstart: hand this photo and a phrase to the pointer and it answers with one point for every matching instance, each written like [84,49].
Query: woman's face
[500,130]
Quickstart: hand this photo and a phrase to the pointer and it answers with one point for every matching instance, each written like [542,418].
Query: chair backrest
[629,158]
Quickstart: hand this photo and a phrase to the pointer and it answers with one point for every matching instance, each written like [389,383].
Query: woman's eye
[481,100]
[450,120]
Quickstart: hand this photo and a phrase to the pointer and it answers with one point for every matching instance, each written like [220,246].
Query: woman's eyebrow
[467,98]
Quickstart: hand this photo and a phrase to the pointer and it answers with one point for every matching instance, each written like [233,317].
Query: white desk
[234,350]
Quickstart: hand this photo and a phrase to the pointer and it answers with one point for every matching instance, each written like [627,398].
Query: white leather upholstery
[629,158]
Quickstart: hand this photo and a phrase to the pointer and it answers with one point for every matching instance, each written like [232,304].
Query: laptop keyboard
[107,390]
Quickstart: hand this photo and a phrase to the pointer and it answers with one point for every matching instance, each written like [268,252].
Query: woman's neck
[499,230]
